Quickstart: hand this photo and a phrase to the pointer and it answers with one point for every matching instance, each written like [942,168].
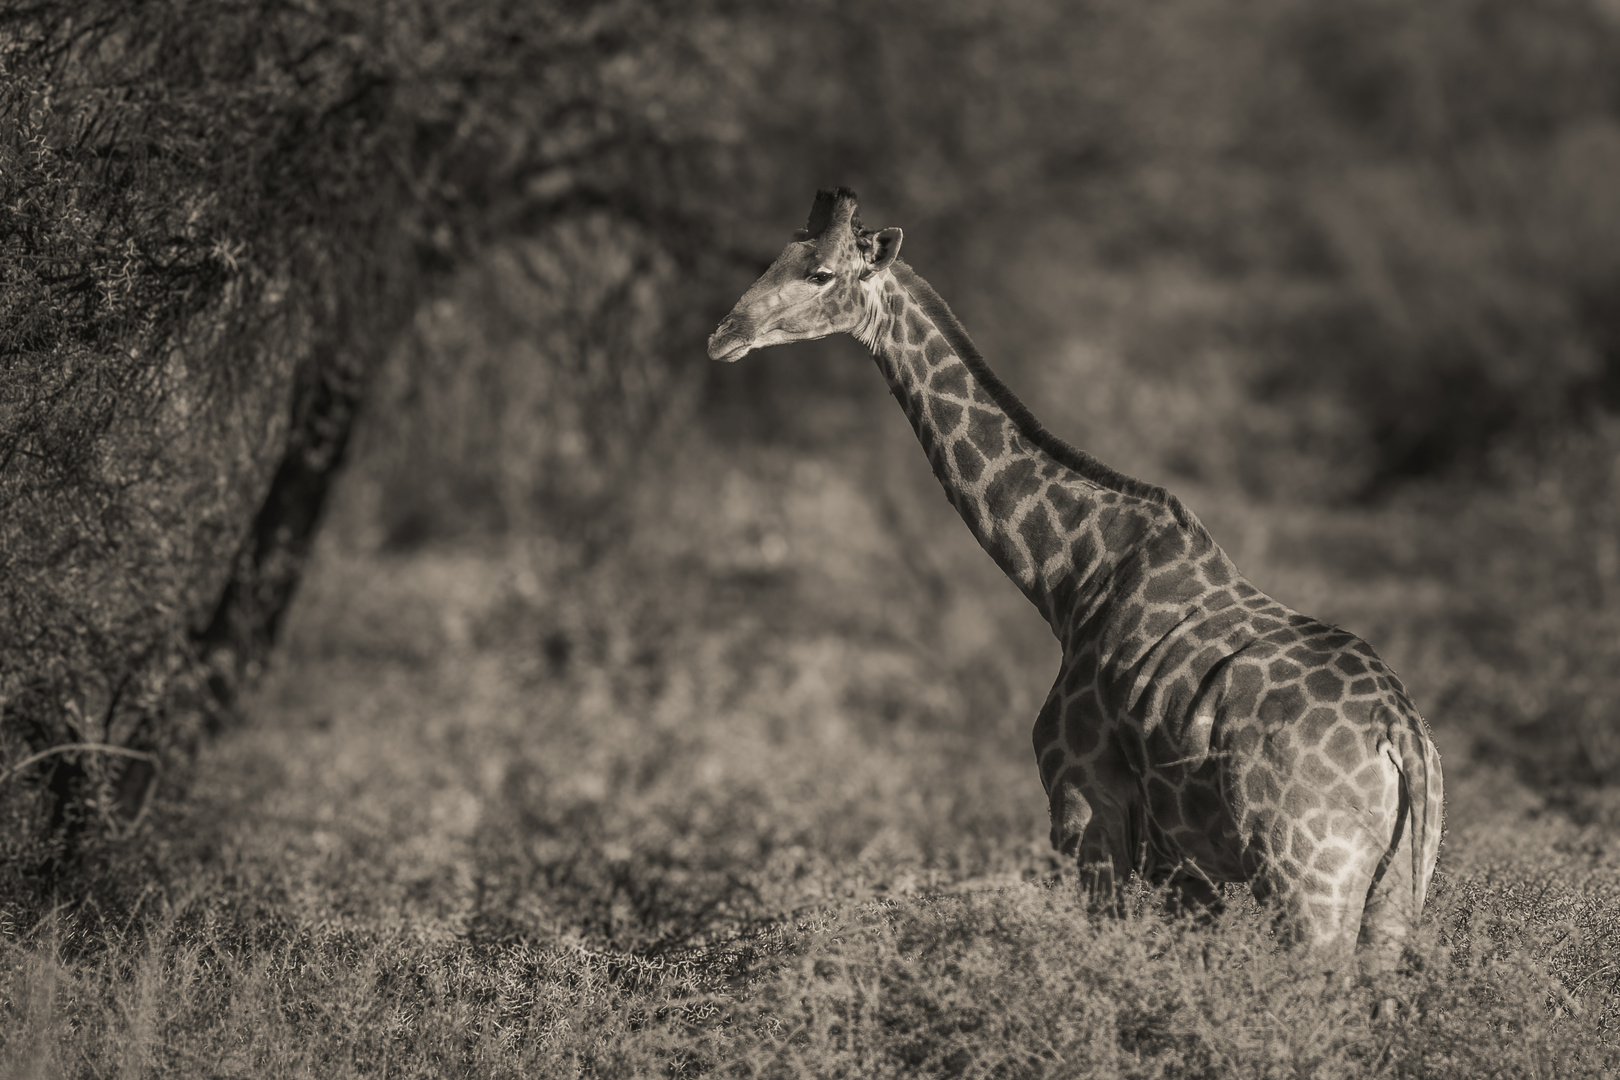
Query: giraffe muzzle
[726,344]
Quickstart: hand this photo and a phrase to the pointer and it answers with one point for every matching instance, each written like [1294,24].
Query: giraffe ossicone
[1199,731]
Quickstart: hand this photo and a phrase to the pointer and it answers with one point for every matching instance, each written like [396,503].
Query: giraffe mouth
[728,348]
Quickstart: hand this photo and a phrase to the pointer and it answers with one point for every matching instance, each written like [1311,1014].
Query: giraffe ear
[885,246]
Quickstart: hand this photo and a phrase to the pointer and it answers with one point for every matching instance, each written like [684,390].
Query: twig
[105,748]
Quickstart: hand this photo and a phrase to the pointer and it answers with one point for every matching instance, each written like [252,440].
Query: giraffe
[1199,732]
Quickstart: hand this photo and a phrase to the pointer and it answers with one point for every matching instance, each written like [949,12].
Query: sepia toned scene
[419,658]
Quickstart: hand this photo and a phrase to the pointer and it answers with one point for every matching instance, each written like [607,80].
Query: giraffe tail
[1419,764]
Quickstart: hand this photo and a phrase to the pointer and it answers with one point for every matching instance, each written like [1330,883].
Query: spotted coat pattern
[1199,731]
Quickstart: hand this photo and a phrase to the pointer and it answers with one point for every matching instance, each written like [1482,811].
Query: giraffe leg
[1194,895]
[1307,915]
[1093,831]
[1318,888]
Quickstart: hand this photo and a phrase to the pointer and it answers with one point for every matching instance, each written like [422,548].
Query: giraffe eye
[820,277]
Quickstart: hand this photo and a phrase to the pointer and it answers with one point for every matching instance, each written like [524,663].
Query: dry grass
[750,795]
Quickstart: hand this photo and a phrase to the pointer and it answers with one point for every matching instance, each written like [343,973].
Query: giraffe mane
[1024,420]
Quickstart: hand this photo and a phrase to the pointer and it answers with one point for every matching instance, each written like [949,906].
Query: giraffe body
[1199,732]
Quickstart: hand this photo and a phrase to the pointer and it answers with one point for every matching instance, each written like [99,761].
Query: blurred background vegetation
[420,275]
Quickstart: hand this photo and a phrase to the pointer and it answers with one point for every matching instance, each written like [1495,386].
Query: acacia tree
[215,219]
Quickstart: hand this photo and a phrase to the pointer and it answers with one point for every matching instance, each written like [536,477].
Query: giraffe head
[824,282]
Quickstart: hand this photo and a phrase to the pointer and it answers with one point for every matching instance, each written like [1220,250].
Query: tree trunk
[239,636]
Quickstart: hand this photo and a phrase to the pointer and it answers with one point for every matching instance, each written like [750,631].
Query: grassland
[747,792]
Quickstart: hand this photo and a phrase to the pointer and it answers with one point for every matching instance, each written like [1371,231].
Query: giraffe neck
[1025,494]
